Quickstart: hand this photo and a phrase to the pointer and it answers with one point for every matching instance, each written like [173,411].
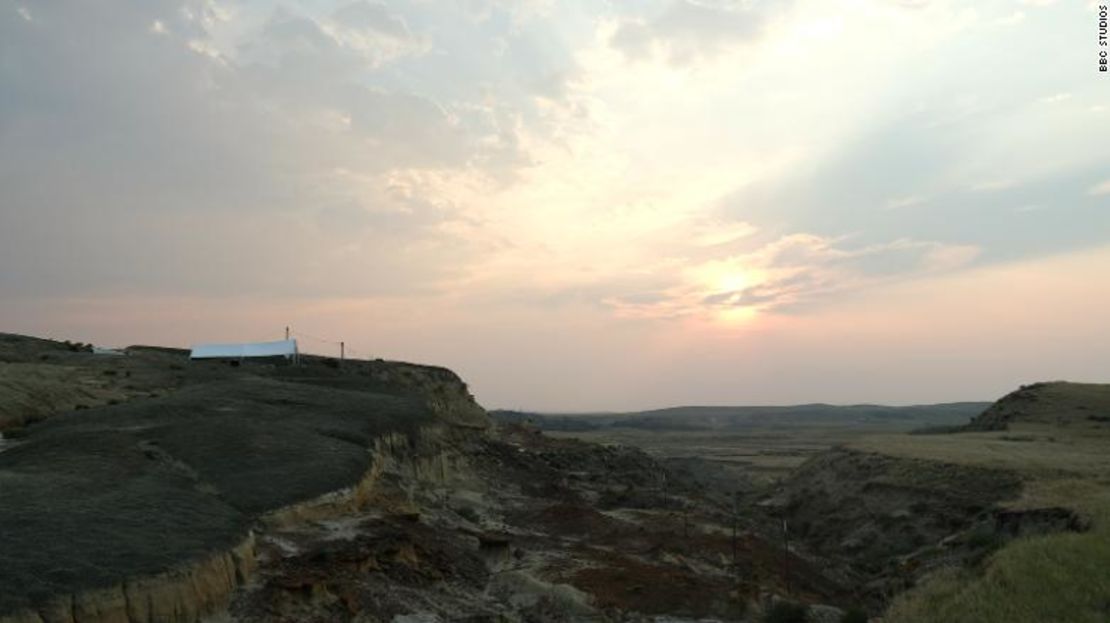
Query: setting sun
[737,315]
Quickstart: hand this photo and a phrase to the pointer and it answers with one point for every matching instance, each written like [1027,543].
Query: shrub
[854,615]
[14,433]
[786,612]
[469,514]
[983,536]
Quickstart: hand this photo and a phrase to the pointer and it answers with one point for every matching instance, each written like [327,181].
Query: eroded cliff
[145,510]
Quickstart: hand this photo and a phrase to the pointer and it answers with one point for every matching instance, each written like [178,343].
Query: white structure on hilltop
[104,350]
[286,349]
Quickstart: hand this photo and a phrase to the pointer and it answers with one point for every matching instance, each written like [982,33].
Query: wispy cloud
[992,185]
[1102,188]
[1056,98]
[789,272]
[686,31]
[900,203]
[1012,19]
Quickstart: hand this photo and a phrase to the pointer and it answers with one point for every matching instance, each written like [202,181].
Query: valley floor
[1029,542]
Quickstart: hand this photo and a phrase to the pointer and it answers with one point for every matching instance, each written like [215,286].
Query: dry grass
[1060,577]
[763,454]
[31,391]
[1061,467]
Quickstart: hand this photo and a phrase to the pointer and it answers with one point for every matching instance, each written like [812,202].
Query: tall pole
[785,553]
[342,351]
[286,334]
[740,602]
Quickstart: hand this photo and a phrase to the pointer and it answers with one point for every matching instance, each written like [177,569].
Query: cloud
[136,158]
[993,185]
[374,18]
[790,273]
[904,202]
[688,30]
[1012,19]
[1102,188]
[371,28]
[518,10]
[1056,98]
[555,85]
[173,161]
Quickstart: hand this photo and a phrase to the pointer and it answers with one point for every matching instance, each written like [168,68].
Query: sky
[576,205]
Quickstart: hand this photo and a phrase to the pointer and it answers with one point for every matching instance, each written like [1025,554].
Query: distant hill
[1058,403]
[743,417]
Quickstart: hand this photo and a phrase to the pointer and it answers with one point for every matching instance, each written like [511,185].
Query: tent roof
[281,348]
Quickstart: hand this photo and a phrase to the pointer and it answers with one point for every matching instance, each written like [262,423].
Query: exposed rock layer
[181,595]
[195,590]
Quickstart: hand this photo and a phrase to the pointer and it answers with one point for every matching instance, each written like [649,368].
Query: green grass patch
[1059,577]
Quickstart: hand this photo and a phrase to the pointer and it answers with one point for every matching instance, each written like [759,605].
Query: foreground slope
[96,501]
[1007,521]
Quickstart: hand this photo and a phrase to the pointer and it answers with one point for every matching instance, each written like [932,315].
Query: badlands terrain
[141,486]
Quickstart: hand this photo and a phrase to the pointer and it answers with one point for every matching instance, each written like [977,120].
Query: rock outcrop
[180,595]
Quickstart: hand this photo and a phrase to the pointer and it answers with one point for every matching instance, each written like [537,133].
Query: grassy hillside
[1059,403]
[1057,440]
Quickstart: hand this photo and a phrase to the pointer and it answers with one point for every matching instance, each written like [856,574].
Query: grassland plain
[760,444]
[762,455]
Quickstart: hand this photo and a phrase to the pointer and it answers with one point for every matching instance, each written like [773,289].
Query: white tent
[281,348]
